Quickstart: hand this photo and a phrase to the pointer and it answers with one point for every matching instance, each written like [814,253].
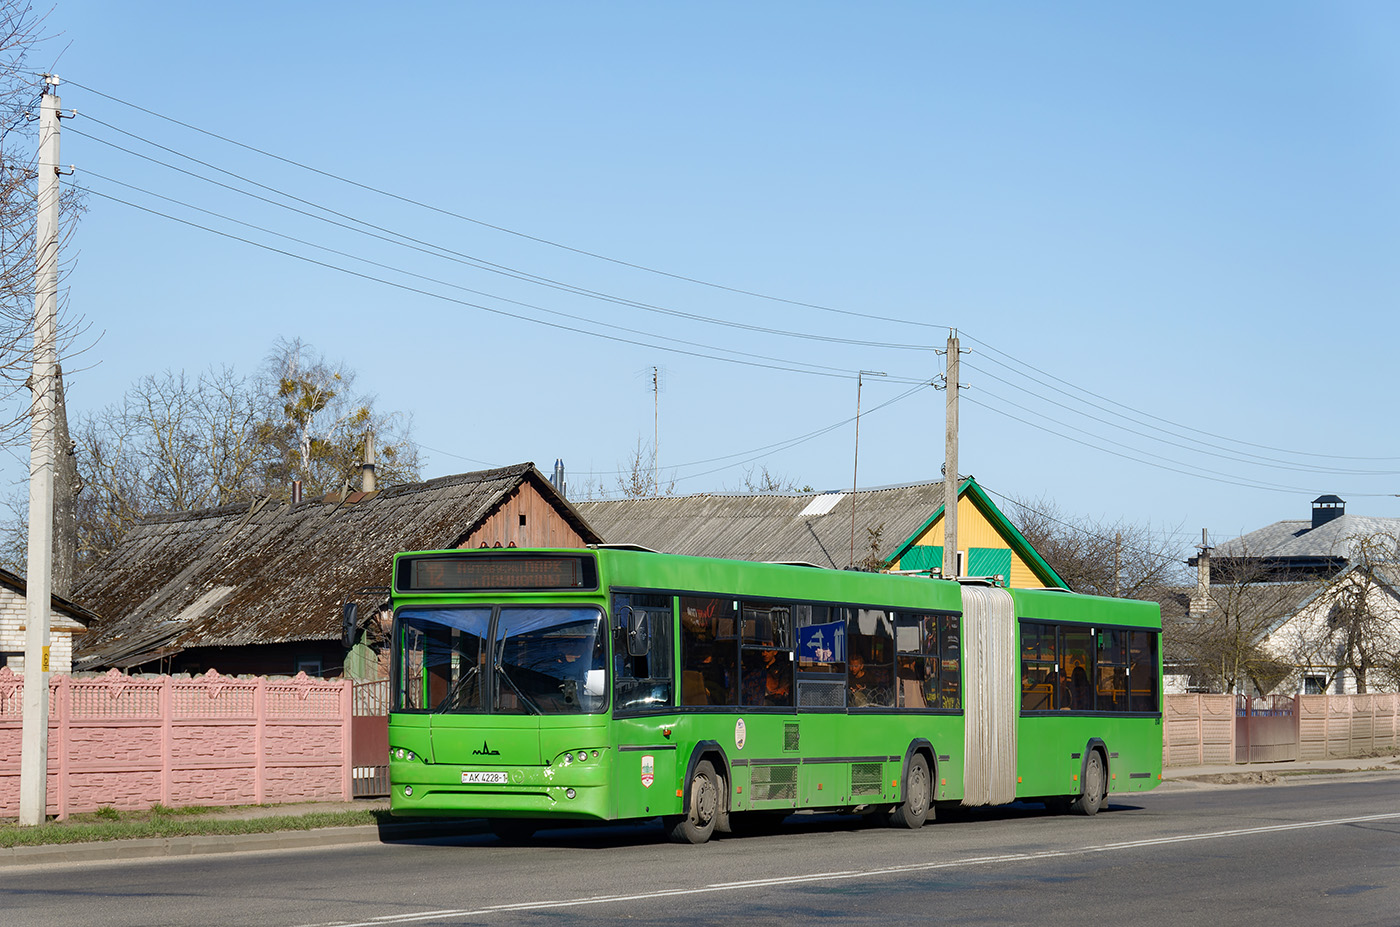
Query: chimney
[367,483]
[66,486]
[296,492]
[1326,508]
[557,480]
[1200,601]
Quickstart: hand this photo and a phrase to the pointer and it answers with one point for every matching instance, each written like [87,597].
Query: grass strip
[104,825]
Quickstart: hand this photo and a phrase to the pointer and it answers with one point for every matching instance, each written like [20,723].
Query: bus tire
[918,794]
[513,831]
[698,822]
[1095,786]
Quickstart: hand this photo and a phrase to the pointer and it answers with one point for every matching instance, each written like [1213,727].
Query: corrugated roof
[769,527]
[270,572]
[1296,538]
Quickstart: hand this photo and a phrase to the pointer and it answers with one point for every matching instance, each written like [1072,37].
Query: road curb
[205,845]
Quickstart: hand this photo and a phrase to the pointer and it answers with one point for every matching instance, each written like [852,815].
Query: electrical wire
[435,280]
[830,372]
[498,228]
[416,244]
[1245,458]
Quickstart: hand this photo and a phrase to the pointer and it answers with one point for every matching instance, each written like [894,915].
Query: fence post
[347,722]
[260,741]
[63,705]
[167,739]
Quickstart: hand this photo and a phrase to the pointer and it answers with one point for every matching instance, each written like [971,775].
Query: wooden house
[258,588]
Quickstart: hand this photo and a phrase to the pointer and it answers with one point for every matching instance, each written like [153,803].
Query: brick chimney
[1200,599]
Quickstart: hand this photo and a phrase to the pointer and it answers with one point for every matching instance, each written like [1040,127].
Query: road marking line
[844,875]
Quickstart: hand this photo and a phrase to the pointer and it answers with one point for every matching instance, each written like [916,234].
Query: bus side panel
[1052,753]
[647,766]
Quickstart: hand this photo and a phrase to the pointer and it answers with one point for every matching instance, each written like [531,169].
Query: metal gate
[369,739]
[1266,729]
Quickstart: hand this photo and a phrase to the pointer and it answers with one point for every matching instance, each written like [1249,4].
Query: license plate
[485,778]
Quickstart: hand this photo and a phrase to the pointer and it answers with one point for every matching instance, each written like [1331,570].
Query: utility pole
[950,462]
[34,742]
[656,431]
[855,467]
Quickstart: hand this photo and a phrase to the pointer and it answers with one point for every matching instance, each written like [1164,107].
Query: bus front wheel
[1091,799]
[913,811]
[698,822]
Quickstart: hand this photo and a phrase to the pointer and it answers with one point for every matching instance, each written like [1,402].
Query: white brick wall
[13,618]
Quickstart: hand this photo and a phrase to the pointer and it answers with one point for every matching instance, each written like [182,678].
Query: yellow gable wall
[974,530]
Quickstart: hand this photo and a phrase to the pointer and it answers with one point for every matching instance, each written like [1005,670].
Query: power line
[1257,459]
[425,278]
[1157,417]
[498,228]
[828,372]
[404,240]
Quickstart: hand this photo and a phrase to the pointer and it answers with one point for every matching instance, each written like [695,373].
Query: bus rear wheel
[913,811]
[1091,799]
[698,822]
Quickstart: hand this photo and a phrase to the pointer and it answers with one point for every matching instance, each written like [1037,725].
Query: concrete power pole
[34,743]
[950,463]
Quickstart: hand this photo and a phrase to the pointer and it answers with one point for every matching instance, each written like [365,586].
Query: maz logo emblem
[485,751]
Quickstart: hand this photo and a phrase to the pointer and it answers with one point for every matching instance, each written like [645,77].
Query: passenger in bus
[777,680]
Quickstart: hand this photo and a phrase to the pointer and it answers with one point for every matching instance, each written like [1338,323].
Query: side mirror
[639,633]
[349,623]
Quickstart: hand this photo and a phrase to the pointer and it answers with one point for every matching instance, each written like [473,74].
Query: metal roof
[811,527]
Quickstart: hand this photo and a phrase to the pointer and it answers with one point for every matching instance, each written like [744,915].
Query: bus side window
[870,668]
[709,647]
[643,680]
[1038,667]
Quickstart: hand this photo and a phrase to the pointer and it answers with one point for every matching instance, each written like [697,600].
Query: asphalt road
[1278,855]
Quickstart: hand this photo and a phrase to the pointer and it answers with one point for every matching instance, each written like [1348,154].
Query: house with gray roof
[1316,598]
[892,527]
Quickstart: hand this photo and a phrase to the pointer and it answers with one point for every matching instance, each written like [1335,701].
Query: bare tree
[21,34]
[1363,620]
[315,425]
[1224,634]
[764,480]
[1119,558]
[177,443]
[638,477]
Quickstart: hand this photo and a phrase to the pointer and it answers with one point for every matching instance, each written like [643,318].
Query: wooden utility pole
[34,738]
[950,463]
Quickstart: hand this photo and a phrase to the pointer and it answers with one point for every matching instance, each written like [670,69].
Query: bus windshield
[518,660]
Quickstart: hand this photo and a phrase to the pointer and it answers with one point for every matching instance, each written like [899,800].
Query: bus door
[645,768]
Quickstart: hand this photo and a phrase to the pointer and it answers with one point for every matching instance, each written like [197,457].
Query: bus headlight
[408,791]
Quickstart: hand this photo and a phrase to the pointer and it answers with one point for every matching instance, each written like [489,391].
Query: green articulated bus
[542,686]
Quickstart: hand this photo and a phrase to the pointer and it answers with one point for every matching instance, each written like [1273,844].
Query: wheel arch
[1095,745]
[920,746]
[712,751]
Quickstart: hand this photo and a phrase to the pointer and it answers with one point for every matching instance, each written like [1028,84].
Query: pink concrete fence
[1348,725]
[1200,730]
[131,742]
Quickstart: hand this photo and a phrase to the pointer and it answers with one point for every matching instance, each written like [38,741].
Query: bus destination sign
[472,572]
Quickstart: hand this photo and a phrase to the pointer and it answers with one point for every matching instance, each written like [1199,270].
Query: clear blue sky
[1189,210]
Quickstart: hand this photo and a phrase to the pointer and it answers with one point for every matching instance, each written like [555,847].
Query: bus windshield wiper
[529,702]
[457,688]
